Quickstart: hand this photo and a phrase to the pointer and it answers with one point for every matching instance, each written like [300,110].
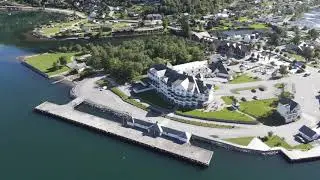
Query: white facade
[180,89]
[288,112]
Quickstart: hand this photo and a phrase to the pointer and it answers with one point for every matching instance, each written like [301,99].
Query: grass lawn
[243,19]
[224,114]
[297,57]
[244,141]
[258,26]
[48,31]
[220,28]
[128,99]
[120,25]
[44,62]
[276,141]
[258,108]
[279,85]
[244,78]
[203,124]
[227,99]
[153,98]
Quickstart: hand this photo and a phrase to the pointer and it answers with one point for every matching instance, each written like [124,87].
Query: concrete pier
[66,112]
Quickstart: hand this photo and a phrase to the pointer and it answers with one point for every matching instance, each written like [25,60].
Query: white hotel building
[179,88]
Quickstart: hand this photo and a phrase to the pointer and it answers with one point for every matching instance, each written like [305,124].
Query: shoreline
[291,156]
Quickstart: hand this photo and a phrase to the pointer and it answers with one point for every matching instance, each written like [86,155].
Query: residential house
[152,20]
[199,36]
[219,69]
[289,110]
[235,50]
[308,133]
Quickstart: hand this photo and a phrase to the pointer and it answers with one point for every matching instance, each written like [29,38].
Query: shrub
[264,139]
[86,73]
[243,99]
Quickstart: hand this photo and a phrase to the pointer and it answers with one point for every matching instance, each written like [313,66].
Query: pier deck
[185,151]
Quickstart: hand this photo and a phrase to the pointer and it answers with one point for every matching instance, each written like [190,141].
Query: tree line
[131,59]
[164,7]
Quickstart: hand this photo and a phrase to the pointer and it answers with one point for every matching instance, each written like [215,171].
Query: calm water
[310,19]
[33,146]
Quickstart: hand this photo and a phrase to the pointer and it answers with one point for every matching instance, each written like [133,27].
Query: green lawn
[244,141]
[227,99]
[153,98]
[258,26]
[243,19]
[258,108]
[203,124]
[49,31]
[44,62]
[220,28]
[297,57]
[273,141]
[244,78]
[128,99]
[276,141]
[224,114]
[120,25]
[279,85]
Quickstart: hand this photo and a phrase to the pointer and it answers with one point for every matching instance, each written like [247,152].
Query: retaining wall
[34,69]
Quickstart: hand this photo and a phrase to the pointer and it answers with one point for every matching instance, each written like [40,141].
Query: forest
[131,59]
[164,7]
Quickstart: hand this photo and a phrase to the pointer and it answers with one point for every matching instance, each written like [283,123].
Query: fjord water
[33,146]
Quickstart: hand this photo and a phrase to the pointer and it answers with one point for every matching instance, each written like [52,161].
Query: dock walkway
[67,112]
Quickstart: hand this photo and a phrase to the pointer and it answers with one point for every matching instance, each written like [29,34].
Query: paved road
[87,89]
[306,90]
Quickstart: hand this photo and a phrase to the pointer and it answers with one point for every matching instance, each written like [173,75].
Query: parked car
[306,74]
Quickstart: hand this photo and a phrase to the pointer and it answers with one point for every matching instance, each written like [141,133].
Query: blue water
[33,146]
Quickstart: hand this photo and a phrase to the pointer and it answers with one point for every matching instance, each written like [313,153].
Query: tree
[212,47]
[283,70]
[286,95]
[55,66]
[165,23]
[296,39]
[185,27]
[308,53]
[313,34]
[77,48]
[63,60]
[270,134]
[274,39]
